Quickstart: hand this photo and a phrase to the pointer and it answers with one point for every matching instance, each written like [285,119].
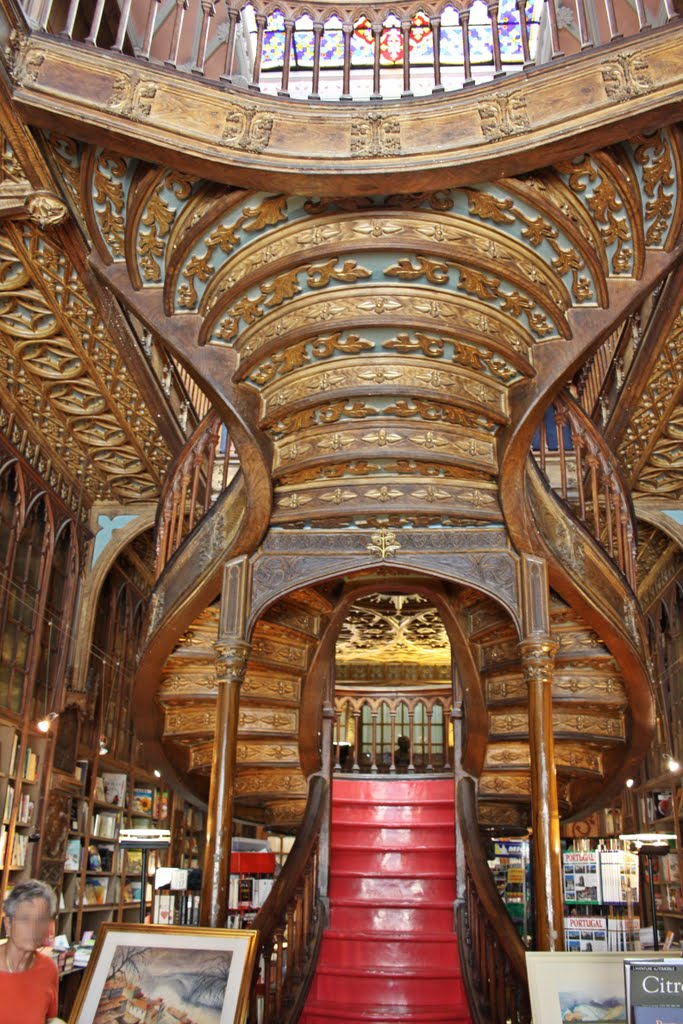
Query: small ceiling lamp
[629,783]
[672,764]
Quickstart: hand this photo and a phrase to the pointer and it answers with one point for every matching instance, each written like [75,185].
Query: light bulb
[629,783]
[44,724]
[673,765]
[157,773]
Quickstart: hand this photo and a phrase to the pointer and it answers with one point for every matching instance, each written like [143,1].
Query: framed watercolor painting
[579,987]
[155,972]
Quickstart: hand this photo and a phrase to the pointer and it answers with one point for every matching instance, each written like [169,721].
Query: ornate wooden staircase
[381,363]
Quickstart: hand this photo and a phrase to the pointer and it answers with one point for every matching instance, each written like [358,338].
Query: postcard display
[601,900]
[511,867]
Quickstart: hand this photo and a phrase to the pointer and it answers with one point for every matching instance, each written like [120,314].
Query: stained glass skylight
[302,53]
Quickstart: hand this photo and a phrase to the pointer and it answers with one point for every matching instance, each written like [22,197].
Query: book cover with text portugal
[654,991]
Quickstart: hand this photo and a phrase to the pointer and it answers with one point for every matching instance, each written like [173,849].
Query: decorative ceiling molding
[587,99]
[402,628]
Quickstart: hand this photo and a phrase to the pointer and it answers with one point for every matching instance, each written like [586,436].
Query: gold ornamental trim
[277,144]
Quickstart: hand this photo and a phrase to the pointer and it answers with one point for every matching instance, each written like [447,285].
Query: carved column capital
[231,660]
[538,659]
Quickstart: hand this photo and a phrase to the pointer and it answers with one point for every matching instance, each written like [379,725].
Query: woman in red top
[28,980]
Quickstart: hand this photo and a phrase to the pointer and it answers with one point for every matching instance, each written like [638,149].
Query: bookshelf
[101,881]
[22,757]
[511,867]
[251,879]
[660,806]
[189,831]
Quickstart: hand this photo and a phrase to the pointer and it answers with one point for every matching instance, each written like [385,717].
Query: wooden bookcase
[22,769]
[103,882]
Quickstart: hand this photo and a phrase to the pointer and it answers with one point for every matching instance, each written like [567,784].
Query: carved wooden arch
[274,574]
[318,686]
[93,584]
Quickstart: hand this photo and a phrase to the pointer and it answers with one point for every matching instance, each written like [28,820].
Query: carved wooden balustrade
[201,473]
[584,472]
[491,951]
[290,923]
[447,44]
[425,722]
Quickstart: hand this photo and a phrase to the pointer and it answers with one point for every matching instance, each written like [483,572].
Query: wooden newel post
[232,653]
[538,658]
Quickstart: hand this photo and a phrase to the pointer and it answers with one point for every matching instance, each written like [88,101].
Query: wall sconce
[45,722]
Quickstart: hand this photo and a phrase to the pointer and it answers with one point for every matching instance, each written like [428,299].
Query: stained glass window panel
[421,47]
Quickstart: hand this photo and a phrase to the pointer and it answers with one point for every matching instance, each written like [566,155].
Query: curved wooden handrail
[291,915]
[590,483]
[210,41]
[491,951]
[194,484]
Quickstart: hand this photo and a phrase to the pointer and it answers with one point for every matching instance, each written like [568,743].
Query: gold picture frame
[188,968]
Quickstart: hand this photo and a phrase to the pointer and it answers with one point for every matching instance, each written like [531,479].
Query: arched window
[56,620]
[23,607]
[9,517]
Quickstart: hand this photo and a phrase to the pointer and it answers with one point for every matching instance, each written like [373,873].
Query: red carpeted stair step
[429,886]
[387,949]
[390,954]
[399,916]
[323,1012]
[381,986]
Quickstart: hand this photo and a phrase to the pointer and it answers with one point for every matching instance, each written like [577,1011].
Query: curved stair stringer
[234,525]
[540,524]
[190,582]
[586,578]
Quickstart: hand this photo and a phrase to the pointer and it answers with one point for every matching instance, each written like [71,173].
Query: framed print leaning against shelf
[579,986]
[199,974]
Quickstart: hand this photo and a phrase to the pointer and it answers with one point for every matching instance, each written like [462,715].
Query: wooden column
[232,653]
[538,656]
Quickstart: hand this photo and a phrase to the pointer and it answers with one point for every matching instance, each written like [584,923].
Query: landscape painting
[169,975]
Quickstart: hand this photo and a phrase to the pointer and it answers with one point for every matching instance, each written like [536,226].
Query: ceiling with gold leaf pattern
[68,399]
[393,628]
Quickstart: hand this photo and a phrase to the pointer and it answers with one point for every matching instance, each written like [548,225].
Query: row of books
[601,934]
[600,876]
[248,891]
[19,849]
[181,908]
[101,857]
[112,788]
[666,868]
[29,769]
[105,825]
[24,811]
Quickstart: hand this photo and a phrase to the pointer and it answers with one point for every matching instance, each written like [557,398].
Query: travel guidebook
[654,991]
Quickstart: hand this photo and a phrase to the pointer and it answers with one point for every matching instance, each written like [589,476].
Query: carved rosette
[231,660]
[538,659]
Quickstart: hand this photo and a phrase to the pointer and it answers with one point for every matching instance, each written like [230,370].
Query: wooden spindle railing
[373,756]
[586,475]
[492,954]
[290,923]
[202,38]
[200,474]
